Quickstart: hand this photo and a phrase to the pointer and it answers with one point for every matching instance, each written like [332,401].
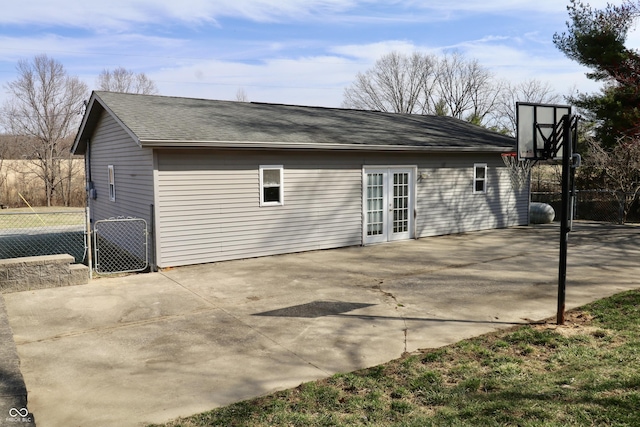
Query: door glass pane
[400,202]
[375,202]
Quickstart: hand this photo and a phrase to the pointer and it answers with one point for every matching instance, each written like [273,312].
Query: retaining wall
[40,272]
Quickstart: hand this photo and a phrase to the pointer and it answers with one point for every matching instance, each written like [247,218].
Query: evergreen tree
[596,39]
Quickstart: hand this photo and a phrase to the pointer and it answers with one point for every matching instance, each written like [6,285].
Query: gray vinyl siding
[446,203]
[209,206]
[133,166]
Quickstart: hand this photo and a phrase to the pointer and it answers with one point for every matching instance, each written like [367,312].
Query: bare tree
[123,80]
[72,168]
[11,148]
[532,90]
[4,148]
[425,84]
[467,89]
[241,95]
[396,83]
[620,168]
[44,105]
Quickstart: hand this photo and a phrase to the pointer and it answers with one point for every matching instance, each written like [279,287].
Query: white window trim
[476,179]
[111,179]
[281,169]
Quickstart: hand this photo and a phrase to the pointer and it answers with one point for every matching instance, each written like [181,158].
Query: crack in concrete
[413,273]
[405,331]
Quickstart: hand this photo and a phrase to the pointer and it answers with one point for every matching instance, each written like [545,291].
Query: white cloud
[123,14]
[320,80]
[369,53]
[633,39]
[516,62]
[281,69]
[14,48]
[92,46]
[316,80]
[502,6]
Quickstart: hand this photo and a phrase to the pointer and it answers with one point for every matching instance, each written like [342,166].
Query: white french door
[388,204]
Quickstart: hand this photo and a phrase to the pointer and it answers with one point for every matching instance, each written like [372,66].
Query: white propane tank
[541,213]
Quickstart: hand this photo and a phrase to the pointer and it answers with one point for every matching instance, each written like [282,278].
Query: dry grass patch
[576,323]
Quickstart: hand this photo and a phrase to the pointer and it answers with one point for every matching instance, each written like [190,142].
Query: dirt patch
[575,323]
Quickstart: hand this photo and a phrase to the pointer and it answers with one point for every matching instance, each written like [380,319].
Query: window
[480,178]
[271,189]
[112,184]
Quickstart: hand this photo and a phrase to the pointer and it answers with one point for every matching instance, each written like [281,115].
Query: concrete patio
[151,347]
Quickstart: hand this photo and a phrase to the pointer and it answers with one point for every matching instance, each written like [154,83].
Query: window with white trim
[271,185]
[112,184]
[480,178]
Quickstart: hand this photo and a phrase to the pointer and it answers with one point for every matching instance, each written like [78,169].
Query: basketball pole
[565,215]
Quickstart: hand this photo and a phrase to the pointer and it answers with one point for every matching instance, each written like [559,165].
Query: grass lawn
[41,217]
[585,373]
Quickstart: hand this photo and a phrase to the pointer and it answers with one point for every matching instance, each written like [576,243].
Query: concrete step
[79,274]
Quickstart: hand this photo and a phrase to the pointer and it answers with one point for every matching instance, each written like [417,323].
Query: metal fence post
[152,239]
[88,243]
[621,209]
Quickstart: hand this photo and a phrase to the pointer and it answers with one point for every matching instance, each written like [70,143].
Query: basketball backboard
[540,130]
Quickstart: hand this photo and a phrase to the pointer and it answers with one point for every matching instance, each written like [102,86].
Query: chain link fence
[24,234]
[592,205]
[120,245]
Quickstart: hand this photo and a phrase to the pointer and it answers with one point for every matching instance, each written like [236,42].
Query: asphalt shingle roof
[172,121]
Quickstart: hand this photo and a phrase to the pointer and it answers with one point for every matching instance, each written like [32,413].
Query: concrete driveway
[151,347]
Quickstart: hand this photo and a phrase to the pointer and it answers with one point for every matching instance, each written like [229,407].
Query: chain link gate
[120,245]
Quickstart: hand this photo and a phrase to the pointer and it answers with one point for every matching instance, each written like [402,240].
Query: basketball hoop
[519,170]
[548,132]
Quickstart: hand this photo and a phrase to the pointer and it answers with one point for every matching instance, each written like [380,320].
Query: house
[223,180]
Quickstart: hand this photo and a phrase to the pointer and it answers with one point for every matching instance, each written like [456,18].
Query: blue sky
[284,51]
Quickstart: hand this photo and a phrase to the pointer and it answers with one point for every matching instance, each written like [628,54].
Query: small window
[271,188]
[112,184]
[480,178]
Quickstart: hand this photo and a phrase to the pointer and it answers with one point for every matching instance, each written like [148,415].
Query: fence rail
[592,205]
[24,234]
